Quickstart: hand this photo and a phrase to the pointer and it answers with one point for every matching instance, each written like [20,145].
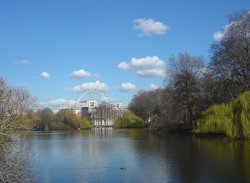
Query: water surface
[137,156]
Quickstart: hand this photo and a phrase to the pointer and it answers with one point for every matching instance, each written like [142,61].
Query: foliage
[241,116]
[135,122]
[129,120]
[68,118]
[45,119]
[85,124]
[216,119]
[232,119]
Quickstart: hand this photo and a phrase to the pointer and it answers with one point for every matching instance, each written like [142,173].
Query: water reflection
[107,131]
[108,155]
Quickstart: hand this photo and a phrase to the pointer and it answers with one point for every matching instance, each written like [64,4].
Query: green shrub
[129,120]
[85,124]
[135,122]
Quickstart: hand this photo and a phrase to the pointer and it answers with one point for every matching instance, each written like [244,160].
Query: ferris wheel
[102,94]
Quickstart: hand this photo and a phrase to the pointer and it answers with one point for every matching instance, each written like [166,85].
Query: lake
[109,155]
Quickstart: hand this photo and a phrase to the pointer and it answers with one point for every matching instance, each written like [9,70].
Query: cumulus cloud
[159,73]
[60,101]
[147,62]
[149,27]
[22,62]
[45,75]
[150,66]
[218,36]
[153,86]
[123,66]
[141,63]
[90,86]
[80,74]
[127,87]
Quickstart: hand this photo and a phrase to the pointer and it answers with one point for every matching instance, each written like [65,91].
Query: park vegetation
[85,124]
[201,95]
[64,119]
[128,120]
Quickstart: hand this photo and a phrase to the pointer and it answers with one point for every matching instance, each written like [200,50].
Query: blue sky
[57,49]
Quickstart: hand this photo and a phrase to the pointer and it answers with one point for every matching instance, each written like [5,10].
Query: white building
[103,114]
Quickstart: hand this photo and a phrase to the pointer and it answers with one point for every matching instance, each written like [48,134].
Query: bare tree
[47,118]
[186,73]
[230,60]
[13,154]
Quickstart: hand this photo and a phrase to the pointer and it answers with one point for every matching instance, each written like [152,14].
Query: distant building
[101,115]
[92,104]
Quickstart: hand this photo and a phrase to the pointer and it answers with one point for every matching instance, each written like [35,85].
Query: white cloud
[149,27]
[123,66]
[22,62]
[127,87]
[159,73]
[60,101]
[80,74]
[153,86]
[218,36]
[90,86]
[45,75]
[147,62]
[142,63]
[150,66]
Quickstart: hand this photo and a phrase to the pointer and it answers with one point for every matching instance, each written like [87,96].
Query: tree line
[191,86]
[45,119]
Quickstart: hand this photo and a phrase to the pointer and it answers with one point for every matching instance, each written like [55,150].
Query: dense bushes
[129,120]
[231,119]
[85,124]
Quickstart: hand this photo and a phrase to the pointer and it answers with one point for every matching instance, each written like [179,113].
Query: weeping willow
[241,116]
[217,119]
[232,119]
